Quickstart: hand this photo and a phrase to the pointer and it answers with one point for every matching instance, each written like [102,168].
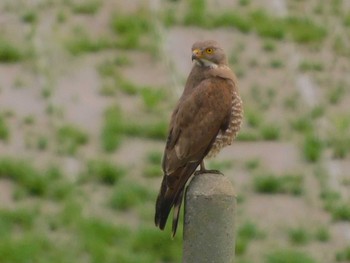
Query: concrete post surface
[209,234]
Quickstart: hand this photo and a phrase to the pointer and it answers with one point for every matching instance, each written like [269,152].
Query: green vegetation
[341,212]
[69,138]
[128,194]
[30,17]
[288,256]
[299,236]
[152,97]
[24,174]
[130,28]
[245,234]
[116,126]
[89,7]
[153,167]
[301,30]
[310,66]
[322,234]
[271,184]
[312,148]
[104,171]
[9,53]
[80,42]
[343,255]
[4,129]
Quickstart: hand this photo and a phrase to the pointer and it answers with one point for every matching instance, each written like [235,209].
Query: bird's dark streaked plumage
[206,118]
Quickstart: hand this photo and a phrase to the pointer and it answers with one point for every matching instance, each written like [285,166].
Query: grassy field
[86,92]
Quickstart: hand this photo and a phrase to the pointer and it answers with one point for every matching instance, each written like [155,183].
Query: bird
[206,118]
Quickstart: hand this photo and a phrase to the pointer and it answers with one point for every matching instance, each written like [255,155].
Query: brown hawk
[206,118]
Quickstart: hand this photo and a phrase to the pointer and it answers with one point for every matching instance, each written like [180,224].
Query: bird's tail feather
[172,197]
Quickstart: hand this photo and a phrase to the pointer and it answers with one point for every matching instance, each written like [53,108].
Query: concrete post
[209,235]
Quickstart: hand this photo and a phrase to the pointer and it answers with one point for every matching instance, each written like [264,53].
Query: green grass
[70,138]
[152,97]
[153,166]
[310,66]
[343,255]
[4,129]
[271,184]
[232,19]
[267,26]
[29,16]
[341,212]
[89,7]
[105,171]
[130,28]
[288,256]
[245,234]
[304,30]
[80,42]
[9,52]
[312,148]
[196,13]
[336,94]
[322,234]
[149,240]
[299,236]
[24,174]
[128,194]
[270,132]
[116,126]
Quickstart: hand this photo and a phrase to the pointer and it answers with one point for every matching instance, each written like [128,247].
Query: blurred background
[86,92]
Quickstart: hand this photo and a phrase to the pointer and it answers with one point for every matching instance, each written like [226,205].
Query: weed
[270,132]
[232,19]
[196,13]
[322,234]
[154,157]
[220,165]
[343,255]
[247,136]
[30,17]
[288,256]
[341,212]
[150,241]
[4,129]
[69,138]
[336,94]
[252,164]
[42,143]
[81,43]
[9,53]
[152,97]
[130,28]
[269,46]
[152,171]
[24,174]
[298,236]
[104,171]
[253,118]
[89,7]
[267,26]
[303,30]
[269,183]
[245,234]
[127,194]
[312,148]
[310,66]
[276,63]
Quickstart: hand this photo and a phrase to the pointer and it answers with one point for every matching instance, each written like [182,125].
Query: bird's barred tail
[172,197]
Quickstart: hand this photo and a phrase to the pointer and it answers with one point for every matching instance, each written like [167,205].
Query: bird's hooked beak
[197,54]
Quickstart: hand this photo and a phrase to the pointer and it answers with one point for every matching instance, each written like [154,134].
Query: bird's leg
[202,170]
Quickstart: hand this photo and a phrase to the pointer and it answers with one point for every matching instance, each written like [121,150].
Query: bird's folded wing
[196,123]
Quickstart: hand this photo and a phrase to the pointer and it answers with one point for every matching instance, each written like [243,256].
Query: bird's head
[208,53]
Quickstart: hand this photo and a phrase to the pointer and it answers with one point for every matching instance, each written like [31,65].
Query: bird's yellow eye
[209,50]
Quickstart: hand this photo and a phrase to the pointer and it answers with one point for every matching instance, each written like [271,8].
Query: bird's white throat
[206,63]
